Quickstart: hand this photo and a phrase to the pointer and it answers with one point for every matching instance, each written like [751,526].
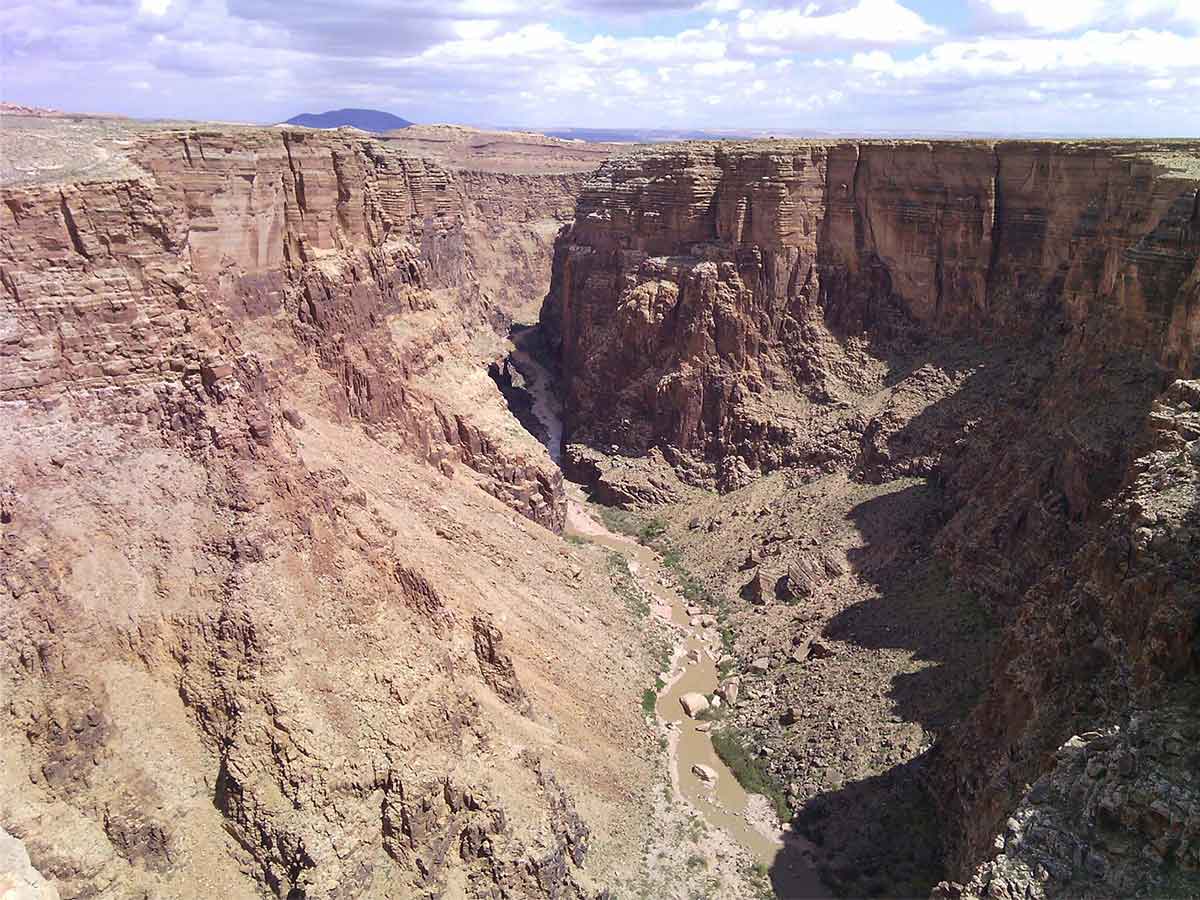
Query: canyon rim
[468,513]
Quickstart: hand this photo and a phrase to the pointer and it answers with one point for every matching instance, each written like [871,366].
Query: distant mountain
[366,119]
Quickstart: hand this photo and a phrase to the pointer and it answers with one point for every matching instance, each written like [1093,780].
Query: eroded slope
[285,612]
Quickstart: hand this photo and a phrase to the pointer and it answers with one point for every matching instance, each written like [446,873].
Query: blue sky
[997,66]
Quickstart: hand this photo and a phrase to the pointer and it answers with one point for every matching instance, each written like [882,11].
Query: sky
[994,66]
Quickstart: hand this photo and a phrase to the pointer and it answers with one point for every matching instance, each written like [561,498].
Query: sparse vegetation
[652,533]
[626,585]
[692,588]
[622,521]
[652,530]
[759,876]
[632,524]
[649,701]
[751,774]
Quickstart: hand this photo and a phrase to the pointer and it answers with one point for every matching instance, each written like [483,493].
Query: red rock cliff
[263,632]
[747,307]
[371,258]
[727,283]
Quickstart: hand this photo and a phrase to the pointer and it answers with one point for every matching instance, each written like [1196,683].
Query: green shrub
[750,772]
[626,585]
[619,520]
[651,531]
[649,701]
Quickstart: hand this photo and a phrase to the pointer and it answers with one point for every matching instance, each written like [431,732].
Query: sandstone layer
[285,612]
[957,364]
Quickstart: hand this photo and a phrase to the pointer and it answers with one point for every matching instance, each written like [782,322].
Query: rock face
[1002,324]
[1113,810]
[272,623]
[709,298]
[341,242]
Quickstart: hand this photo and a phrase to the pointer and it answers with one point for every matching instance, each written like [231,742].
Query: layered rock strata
[272,623]
[729,284]
[996,320]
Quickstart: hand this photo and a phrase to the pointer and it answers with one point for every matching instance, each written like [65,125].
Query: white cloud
[155,7]
[475,29]
[1061,16]
[1142,50]
[632,81]
[721,67]
[1052,15]
[844,64]
[868,22]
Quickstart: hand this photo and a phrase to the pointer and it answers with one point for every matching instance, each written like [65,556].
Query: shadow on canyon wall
[1025,453]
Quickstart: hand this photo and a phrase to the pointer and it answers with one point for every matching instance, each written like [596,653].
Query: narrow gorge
[466,514]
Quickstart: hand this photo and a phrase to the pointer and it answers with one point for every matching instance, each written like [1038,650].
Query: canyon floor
[887,452]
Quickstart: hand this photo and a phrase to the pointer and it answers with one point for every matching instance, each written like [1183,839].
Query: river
[723,804]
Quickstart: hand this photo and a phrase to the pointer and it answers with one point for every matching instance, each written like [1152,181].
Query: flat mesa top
[64,149]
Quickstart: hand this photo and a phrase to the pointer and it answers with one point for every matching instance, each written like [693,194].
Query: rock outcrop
[1113,637]
[360,252]
[722,301]
[1002,324]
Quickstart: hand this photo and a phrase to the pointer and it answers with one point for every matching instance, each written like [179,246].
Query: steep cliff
[272,624]
[737,288]
[949,352]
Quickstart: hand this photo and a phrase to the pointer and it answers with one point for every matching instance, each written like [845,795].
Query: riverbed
[722,802]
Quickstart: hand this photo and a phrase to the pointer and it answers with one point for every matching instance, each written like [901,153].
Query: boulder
[760,666]
[755,590]
[819,650]
[704,773]
[790,716]
[804,575]
[799,581]
[729,691]
[810,648]
[693,703]
[19,880]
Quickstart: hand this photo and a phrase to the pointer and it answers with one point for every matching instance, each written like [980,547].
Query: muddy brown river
[723,804]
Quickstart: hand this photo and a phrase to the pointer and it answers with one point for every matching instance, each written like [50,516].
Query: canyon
[315,444]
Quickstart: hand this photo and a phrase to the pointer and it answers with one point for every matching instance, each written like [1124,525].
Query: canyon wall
[367,256]
[727,283]
[272,623]
[1003,321]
